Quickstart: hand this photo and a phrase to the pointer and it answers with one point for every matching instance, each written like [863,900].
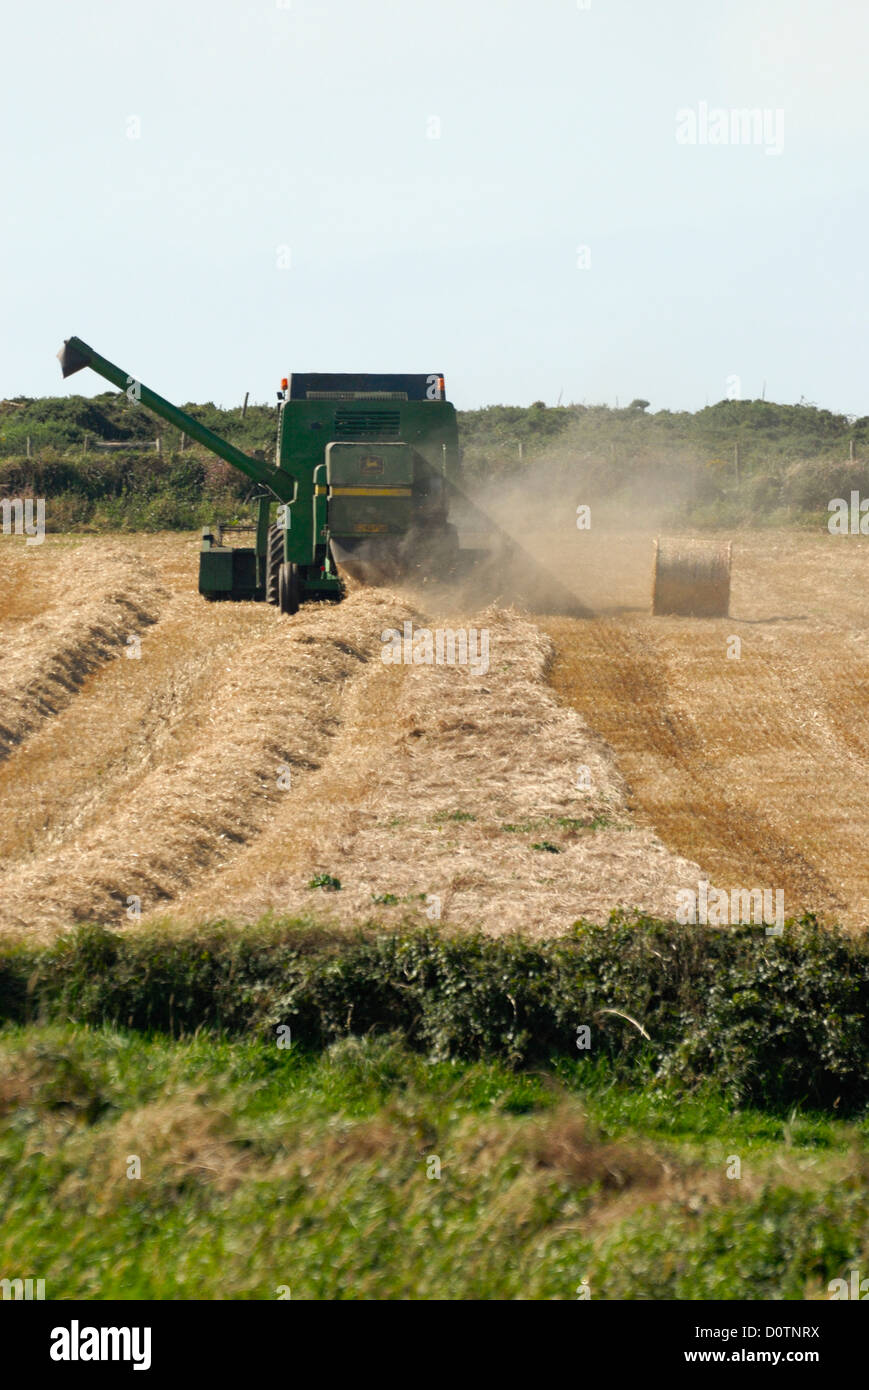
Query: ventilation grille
[366,424]
[355,395]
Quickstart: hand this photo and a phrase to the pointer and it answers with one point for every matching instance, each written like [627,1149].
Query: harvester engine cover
[370,489]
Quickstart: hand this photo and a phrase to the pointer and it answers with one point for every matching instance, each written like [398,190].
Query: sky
[534,199]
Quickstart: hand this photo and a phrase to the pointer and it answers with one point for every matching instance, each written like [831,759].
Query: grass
[327,881]
[573,824]
[265,1168]
[417,1116]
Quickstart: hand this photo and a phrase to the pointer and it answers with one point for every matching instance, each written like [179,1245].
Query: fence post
[28,446]
[157,444]
[244,407]
[183,441]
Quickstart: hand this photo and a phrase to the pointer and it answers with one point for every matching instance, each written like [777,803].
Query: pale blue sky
[305,126]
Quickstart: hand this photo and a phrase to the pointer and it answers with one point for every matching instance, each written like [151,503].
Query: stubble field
[166,756]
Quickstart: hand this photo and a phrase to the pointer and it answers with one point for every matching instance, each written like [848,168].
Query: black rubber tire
[275,560]
[288,588]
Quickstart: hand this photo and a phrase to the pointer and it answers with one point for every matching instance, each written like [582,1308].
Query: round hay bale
[692,578]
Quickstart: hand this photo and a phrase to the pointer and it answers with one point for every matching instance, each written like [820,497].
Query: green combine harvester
[365,468]
[365,465]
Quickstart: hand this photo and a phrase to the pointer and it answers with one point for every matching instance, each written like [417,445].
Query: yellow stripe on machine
[322,491]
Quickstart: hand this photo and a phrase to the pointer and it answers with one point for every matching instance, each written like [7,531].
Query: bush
[793,458]
[777,1021]
[812,486]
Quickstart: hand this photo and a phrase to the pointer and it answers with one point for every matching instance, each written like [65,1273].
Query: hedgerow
[776,1021]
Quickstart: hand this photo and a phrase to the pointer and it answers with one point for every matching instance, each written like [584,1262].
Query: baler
[364,466]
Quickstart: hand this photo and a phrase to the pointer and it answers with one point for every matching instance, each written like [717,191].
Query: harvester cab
[364,467]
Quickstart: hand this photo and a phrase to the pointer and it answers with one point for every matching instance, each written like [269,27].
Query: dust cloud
[557,539]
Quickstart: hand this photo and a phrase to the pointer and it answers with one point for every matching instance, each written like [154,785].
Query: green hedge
[793,459]
[776,1021]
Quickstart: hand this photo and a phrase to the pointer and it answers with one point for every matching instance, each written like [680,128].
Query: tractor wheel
[288,588]
[275,560]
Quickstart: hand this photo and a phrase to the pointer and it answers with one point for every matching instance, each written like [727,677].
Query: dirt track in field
[241,754]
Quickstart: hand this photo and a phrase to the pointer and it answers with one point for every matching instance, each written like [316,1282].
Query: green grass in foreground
[265,1166]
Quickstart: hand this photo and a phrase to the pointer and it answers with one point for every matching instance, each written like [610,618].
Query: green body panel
[369,465]
[306,427]
[226,571]
[370,489]
[352,466]
[262,542]
[418,442]
[353,517]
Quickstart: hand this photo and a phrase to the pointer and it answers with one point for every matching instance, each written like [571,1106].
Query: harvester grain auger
[363,469]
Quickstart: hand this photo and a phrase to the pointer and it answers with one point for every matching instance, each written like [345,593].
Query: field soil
[161,756]
[750,757]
